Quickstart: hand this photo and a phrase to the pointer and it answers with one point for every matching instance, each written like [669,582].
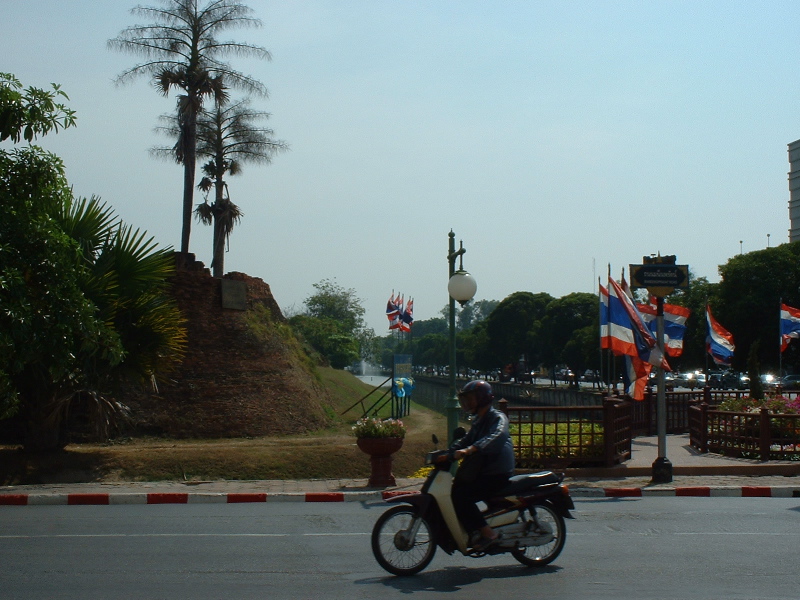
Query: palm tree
[229,137]
[182,51]
[136,332]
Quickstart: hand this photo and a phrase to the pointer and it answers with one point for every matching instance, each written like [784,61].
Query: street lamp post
[461,287]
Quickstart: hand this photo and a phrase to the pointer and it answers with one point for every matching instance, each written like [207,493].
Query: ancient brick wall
[232,382]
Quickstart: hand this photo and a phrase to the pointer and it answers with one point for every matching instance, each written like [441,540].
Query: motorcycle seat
[520,483]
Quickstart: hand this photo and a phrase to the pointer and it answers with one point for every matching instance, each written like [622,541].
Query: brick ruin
[233,382]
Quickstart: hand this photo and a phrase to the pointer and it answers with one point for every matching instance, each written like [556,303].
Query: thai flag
[397,319]
[628,333]
[407,317]
[635,376]
[603,316]
[674,324]
[790,325]
[719,342]
[391,308]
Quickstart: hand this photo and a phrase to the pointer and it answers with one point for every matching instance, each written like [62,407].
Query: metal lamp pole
[662,467]
[461,287]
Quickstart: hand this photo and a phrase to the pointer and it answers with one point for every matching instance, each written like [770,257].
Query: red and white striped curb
[694,491]
[77,499]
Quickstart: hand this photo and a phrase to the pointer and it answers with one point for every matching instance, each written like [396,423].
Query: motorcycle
[528,515]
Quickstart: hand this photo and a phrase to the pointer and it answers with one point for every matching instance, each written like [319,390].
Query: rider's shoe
[483,543]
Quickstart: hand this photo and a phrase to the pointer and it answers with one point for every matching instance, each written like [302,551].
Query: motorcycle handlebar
[430,458]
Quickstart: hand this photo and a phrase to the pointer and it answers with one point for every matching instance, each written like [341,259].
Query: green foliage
[47,324]
[513,325]
[26,114]
[557,334]
[332,301]
[754,373]
[325,336]
[574,439]
[84,298]
[749,297]
[333,324]
[265,332]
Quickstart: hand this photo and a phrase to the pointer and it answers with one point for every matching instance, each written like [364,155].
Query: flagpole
[662,467]
[600,349]
[610,353]
[780,340]
[705,349]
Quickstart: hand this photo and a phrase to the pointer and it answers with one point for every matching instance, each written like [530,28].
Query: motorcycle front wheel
[548,524]
[402,541]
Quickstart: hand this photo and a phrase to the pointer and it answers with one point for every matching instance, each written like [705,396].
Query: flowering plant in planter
[372,427]
[775,404]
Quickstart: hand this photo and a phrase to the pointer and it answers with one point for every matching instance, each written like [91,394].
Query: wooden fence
[560,437]
[758,435]
[561,427]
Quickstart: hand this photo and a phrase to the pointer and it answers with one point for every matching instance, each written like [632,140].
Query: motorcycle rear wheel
[548,520]
[392,547]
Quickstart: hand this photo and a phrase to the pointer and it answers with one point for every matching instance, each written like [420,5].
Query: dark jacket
[490,435]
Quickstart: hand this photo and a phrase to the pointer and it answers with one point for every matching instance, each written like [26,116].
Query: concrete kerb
[749,489]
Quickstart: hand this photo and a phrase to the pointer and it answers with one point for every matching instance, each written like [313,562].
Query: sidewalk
[694,474]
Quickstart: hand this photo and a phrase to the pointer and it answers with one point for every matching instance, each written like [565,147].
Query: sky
[554,138]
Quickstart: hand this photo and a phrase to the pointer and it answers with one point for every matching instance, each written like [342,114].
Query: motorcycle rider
[488,461]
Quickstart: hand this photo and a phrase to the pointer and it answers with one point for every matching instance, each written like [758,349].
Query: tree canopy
[333,324]
[27,114]
[83,295]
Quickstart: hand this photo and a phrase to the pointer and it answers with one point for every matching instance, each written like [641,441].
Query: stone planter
[380,451]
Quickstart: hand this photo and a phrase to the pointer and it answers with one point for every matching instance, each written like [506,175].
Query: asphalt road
[660,548]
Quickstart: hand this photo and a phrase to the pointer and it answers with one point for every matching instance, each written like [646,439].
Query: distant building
[794,191]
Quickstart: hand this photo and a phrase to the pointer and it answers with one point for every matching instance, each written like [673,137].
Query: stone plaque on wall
[234,294]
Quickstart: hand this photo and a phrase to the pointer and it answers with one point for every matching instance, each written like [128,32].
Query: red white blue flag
[790,325]
[603,315]
[407,316]
[391,308]
[674,324]
[627,332]
[719,341]
[635,376]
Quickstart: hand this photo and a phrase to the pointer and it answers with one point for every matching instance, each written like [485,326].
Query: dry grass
[319,455]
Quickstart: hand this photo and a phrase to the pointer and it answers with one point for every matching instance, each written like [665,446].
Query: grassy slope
[329,453]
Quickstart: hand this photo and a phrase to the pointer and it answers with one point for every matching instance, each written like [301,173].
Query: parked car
[692,380]
[768,381]
[669,381]
[790,383]
[724,380]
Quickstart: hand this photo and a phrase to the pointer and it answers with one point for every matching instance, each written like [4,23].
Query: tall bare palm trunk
[220,212]
[189,159]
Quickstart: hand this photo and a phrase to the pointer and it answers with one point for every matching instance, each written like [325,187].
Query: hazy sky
[553,137]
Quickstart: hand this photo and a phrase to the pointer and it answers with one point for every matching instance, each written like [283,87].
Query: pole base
[662,470]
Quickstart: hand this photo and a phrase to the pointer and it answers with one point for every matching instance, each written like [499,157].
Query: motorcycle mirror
[459,432]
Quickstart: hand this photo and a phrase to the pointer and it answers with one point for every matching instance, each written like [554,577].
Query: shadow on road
[453,579]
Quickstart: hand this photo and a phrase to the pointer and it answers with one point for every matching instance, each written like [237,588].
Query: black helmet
[481,389]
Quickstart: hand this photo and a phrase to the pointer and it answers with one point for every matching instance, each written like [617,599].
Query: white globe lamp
[462,287]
